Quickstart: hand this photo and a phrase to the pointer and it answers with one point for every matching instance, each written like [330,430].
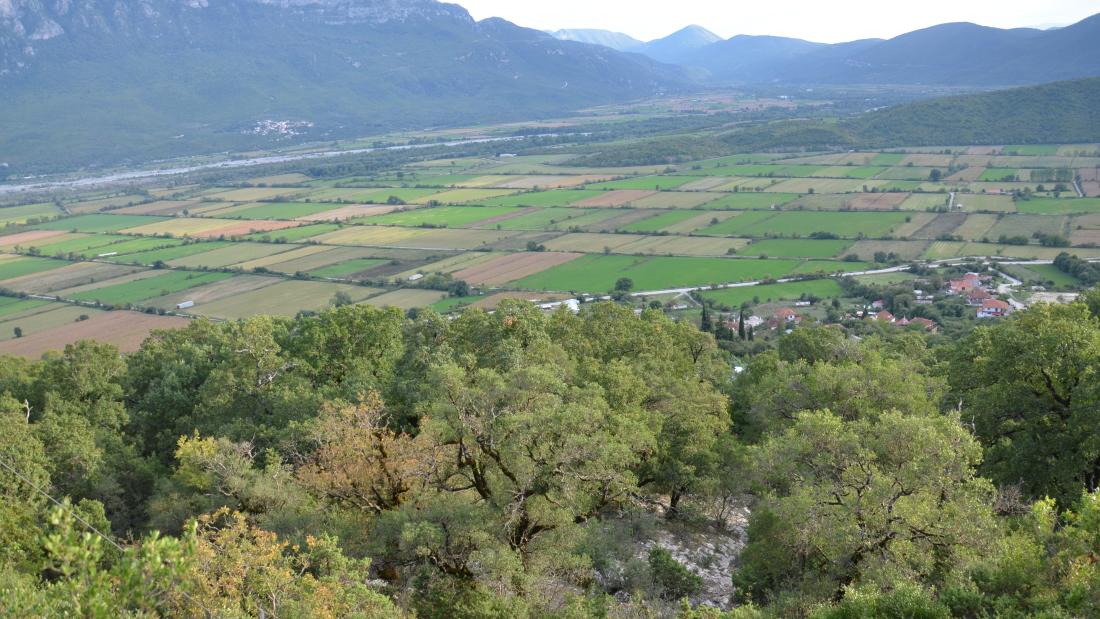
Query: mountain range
[955,54]
[107,81]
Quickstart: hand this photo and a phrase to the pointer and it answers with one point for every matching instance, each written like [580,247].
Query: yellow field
[292,254]
[180,226]
[254,194]
[285,298]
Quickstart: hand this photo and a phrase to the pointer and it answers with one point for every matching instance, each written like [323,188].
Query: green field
[9,306]
[20,214]
[556,197]
[11,268]
[98,222]
[81,245]
[134,245]
[790,248]
[750,201]
[736,297]
[1043,273]
[170,253]
[599,273]
[1059,206]
[348,267]
[449,216]
[147,288]
[551,218]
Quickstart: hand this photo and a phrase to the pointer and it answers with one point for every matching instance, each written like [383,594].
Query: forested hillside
[359,463]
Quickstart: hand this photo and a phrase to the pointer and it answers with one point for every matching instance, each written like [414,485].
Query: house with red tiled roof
[994,308]
[978,296]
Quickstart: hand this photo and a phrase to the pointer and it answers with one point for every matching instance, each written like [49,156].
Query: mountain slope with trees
[165,78]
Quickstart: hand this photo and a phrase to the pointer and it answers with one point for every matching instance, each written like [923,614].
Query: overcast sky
[827,21]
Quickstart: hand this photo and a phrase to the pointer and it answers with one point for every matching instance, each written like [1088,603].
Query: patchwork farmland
[452,233]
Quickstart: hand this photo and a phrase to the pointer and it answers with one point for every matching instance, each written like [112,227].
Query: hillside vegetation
[360,463]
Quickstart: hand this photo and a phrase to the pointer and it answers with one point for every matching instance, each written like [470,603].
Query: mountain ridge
[159,78]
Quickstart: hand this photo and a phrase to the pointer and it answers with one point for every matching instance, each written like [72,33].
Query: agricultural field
[536,227]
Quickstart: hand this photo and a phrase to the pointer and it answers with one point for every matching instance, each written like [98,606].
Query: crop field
[530,227]
[463,196]
[656,183]
[451,216]
[550,218]
[783,248]
[999,204]
[976,227]
[848,224]
[599,273]
[735,297]
[617,197]
[1059,206]
[277,210]
[42,319]
[660,221]
[347,268]
[561,197]
[510,267]
[17,266]
[69,276]
[293,235]
[97,222]
[675,199]
[284,298]
[126,330]
[924,201]
[148,287]
[20,214]
[207,293]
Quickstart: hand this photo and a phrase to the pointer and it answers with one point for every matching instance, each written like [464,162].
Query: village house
[968,283]
[884,316]
[978,296]
[994,308]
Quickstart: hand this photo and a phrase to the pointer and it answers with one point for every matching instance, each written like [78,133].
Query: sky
[826,21]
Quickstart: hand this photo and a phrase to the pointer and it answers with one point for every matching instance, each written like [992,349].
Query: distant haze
[827,22]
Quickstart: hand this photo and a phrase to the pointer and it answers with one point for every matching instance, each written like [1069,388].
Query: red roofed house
[787,314]
[994,308]
[884,316]
[968,283]
[978,296]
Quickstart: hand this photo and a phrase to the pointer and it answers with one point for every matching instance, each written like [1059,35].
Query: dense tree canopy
[361,463]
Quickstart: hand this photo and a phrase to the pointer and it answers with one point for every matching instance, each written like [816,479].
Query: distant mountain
[103,81]
[750,59]
[679,46]
[1062,112]
[959,54]
[607,38]
[1058,113]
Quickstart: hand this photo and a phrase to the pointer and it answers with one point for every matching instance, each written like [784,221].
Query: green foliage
[672,579]
[1029,386]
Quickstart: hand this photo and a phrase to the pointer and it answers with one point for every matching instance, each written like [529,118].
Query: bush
[673,580]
